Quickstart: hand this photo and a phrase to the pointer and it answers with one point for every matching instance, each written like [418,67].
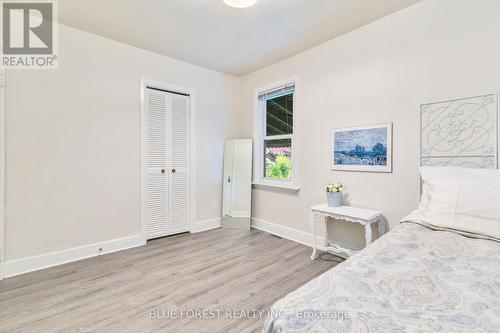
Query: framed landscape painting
[366,148]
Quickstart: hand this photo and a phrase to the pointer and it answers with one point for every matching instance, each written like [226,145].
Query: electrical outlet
[215,204]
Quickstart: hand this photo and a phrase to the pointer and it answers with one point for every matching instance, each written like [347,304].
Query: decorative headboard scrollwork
[462,132]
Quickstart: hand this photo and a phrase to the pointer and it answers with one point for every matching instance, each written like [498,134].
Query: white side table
[347,213]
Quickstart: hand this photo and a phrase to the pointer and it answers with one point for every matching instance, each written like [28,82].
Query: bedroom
[73,231]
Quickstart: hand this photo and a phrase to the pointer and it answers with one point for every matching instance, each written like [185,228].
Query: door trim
[2,173]
[145,83]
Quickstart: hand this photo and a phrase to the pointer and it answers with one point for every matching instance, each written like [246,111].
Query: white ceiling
[208,33]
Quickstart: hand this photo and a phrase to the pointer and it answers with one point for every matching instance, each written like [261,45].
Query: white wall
[432,51]
[73,142]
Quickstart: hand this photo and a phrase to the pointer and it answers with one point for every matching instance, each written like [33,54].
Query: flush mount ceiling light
[240,3]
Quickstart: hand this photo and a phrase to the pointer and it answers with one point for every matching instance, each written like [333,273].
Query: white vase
[334,199]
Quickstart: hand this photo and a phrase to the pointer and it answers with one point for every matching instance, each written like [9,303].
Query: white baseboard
[295,235]
[30,264]
[205,225]
[25,265]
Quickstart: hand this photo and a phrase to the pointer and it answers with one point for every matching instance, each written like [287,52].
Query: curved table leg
[312,223]
[381,227]
[368,233]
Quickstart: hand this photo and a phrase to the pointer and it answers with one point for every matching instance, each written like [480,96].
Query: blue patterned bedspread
[413,279]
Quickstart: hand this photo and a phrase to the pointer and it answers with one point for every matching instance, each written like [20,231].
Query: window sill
[276,185]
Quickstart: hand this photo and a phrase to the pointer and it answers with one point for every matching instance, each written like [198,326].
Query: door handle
[229,179]
[163,170]
[174,171]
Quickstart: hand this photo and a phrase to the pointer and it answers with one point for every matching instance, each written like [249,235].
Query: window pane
[279,115]
[278,159]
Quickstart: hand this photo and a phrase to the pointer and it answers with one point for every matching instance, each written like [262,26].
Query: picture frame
[363,148]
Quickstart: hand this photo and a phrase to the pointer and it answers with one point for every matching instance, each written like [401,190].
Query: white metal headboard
[461,132]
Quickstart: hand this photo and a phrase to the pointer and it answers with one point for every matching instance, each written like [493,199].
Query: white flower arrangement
[335,187]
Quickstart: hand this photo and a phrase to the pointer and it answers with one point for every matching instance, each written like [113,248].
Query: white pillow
[430,174]
[470,202]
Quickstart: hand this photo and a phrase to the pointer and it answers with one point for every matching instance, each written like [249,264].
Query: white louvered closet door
[179,190]
[166,177]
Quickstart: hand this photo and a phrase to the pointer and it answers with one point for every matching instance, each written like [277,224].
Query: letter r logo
[27,28]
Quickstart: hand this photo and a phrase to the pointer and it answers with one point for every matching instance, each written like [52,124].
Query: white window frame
[260,136]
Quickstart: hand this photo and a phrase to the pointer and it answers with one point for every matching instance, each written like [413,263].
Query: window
[276,160]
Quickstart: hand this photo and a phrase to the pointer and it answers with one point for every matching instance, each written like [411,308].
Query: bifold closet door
[179,157]
[166,145]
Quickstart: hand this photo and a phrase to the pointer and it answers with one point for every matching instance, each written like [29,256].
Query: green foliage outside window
[280,169]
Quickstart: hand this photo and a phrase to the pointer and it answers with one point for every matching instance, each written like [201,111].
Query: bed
[415,278]
[438,270]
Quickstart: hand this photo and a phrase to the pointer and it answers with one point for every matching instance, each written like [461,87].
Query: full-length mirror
[237,191]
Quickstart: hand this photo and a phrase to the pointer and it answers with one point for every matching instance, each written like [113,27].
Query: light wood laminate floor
[216,270]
